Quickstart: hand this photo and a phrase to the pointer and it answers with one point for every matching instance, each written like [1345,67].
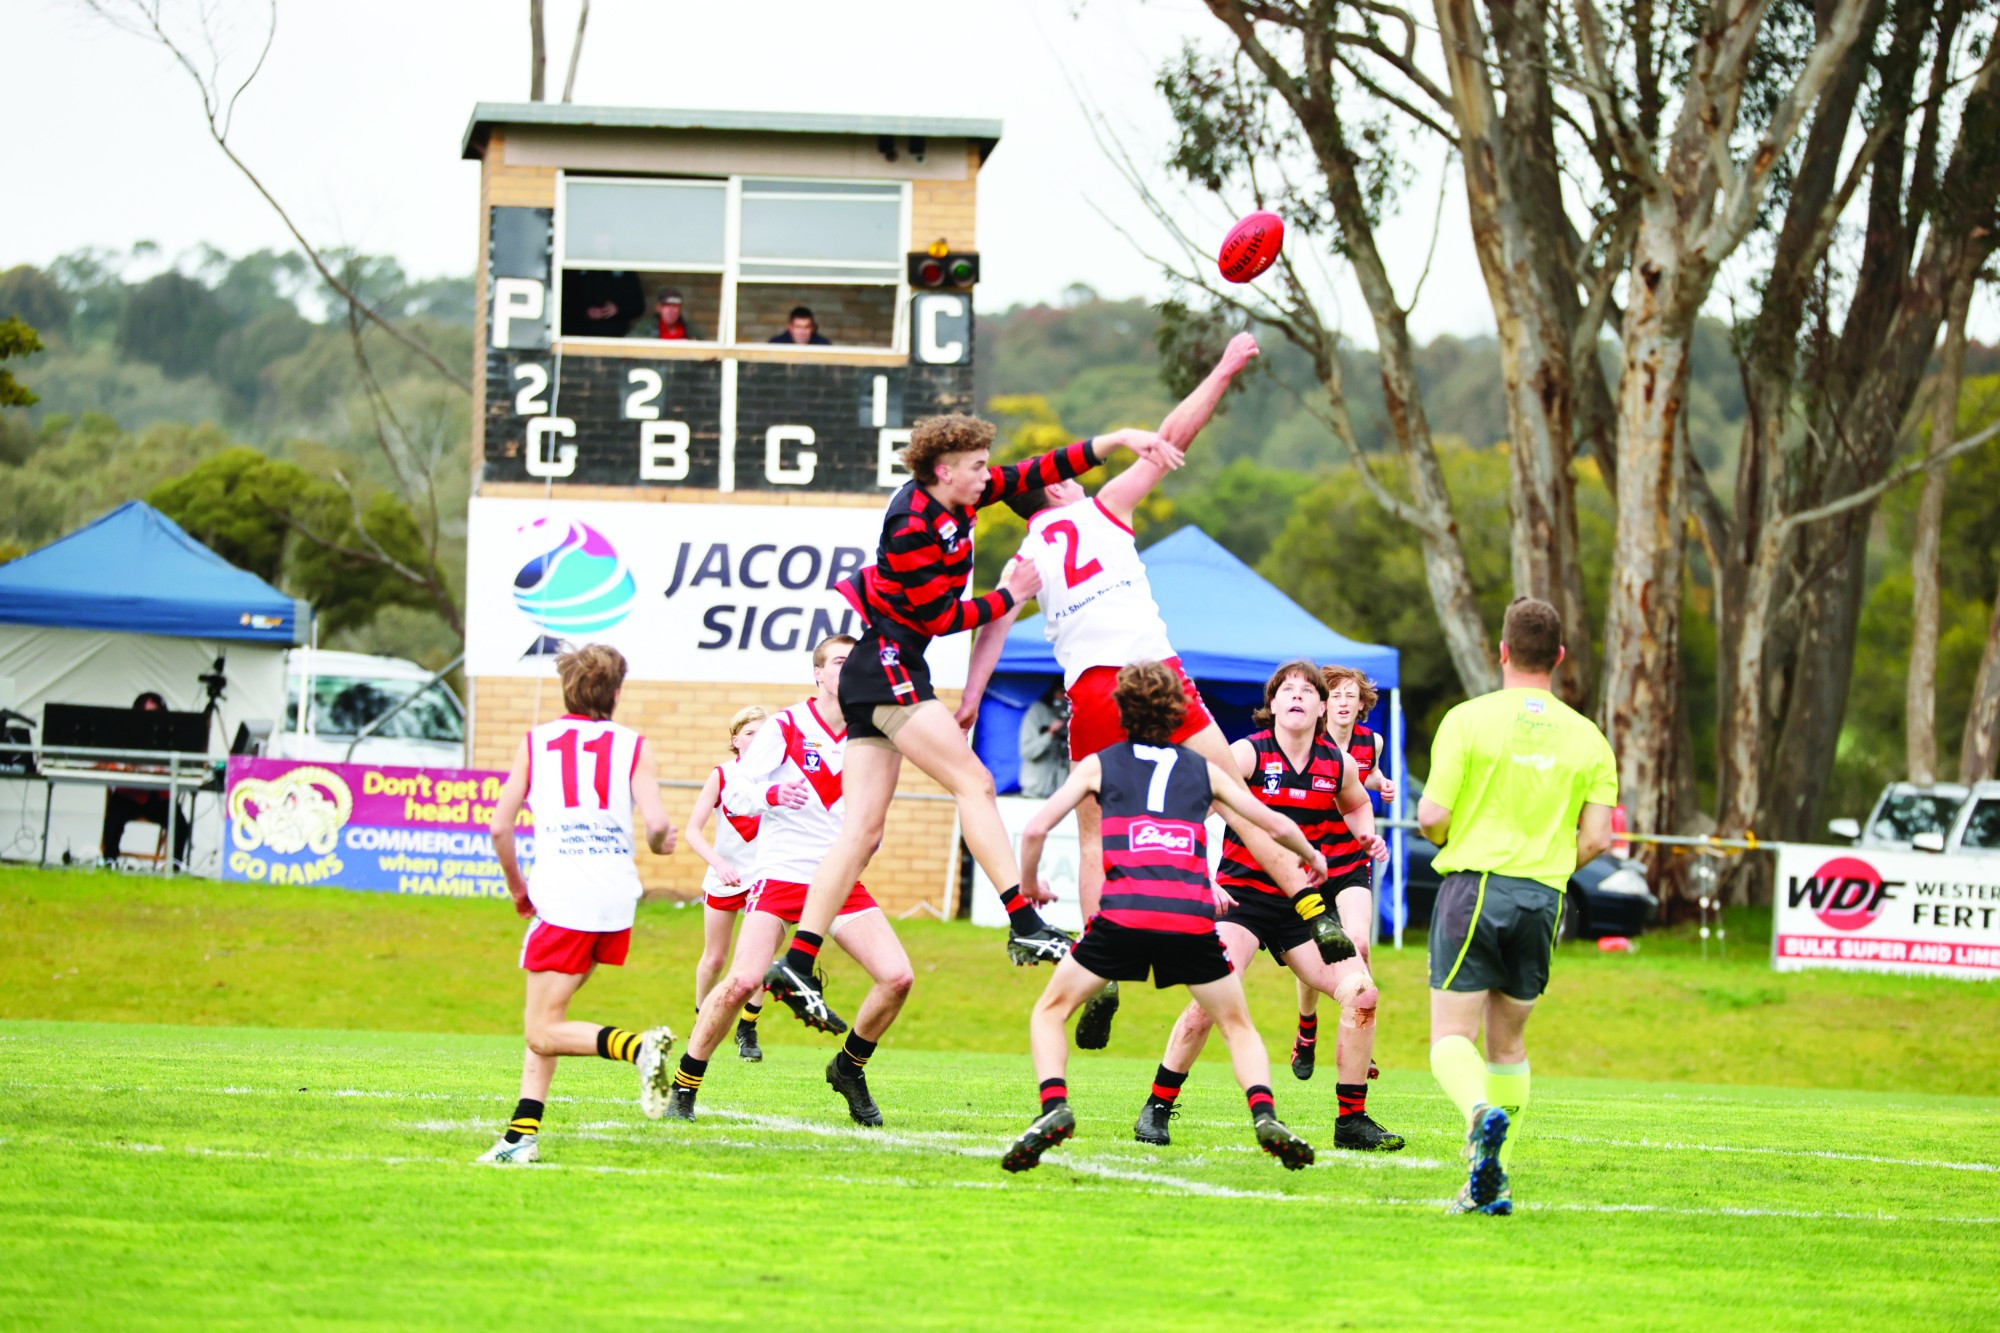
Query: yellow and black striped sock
[854,1053]
[751,1013]
[618,1044]
[689,1075]
[527,1121]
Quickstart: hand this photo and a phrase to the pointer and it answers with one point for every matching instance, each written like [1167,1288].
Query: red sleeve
[1057,465]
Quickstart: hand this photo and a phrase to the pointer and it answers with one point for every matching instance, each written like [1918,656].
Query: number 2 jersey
[1156,799]
[1097,605]
[795,744]
[580,788]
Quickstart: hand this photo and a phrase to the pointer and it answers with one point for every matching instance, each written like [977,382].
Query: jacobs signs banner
[1869,911]
[688,592]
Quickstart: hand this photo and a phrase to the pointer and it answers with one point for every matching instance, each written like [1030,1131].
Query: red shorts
[785,901]
[726,902]
[1093,715]
[548,948]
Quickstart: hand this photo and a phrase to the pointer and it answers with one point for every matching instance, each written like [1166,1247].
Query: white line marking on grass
[1670,1145]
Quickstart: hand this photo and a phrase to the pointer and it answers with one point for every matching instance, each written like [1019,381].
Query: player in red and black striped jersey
[910,595]
[1350,697]
[1157,913]
[1301,774]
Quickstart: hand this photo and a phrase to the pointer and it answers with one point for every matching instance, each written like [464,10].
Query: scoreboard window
[742,252]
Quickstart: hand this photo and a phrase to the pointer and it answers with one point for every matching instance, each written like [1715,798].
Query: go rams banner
[360,826]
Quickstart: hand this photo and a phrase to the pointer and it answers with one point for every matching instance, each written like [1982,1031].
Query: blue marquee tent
[1230,627]
[134,571]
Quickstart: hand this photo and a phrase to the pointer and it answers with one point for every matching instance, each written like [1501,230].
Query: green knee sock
[1461,1071]
[1507,1088]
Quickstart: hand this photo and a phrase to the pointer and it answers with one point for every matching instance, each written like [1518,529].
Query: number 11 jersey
[1097,605]
[580,789]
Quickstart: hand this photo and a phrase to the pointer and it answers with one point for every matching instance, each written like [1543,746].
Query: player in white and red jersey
[1350,697]
[1100,616]
[725,885]
[583,776]
[792,777]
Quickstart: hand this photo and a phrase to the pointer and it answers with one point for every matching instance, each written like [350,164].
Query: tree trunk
[1513,192]
[1642,632]
[1981,747]
[1920,701]
[538,53]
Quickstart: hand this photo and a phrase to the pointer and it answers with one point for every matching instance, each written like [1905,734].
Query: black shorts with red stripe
[886,667]
[1173,957]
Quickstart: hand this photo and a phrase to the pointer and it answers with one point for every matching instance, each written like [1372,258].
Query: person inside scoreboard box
[802,328]
[673,325]
[600,304]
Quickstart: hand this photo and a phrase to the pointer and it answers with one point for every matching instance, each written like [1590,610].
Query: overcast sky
[355,122]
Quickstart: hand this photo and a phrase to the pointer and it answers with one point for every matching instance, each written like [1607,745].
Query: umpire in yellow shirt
[1520,794]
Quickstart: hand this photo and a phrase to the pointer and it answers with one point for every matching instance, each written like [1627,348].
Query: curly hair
[590,678]
[1336,676]
[935,437]
[744,716]
[1151,702]
[1305,670]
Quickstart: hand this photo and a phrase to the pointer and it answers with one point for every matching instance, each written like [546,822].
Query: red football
[1252,246]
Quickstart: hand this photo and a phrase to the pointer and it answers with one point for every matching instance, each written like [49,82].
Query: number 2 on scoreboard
[565,745]
[1073,573]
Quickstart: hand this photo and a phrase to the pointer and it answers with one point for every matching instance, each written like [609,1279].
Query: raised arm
[1008,480]
[513,794]
[1124,492]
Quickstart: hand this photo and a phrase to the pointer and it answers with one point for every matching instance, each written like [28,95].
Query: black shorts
[1493,932]
[1271,918]
[1121,953]
[886,669]
[1360,877]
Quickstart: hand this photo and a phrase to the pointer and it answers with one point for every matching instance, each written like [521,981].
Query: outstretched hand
[1156,450]
[1240,352]
[1022,579]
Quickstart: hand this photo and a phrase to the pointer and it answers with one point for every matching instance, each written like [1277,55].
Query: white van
[350,690]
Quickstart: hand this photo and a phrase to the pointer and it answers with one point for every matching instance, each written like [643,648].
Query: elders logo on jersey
[578,586]
[1323,783]
[1847,893]
[1143,835]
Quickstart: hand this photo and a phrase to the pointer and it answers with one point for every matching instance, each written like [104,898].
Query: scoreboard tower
[704,337]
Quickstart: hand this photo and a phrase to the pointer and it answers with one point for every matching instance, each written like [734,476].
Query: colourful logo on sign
[1846,893]
[576,587]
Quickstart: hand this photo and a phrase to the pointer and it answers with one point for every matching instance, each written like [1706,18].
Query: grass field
[236,1106]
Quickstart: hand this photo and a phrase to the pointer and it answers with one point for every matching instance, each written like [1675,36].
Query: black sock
[690,1073]
[1167,1083]
[803,956]
[527,1120]
[854,1053]
[1055,1092]
[1353,1097]
[747,1020]
[618,1044]
[1308,1029]
[1262,1105]
[1021,915]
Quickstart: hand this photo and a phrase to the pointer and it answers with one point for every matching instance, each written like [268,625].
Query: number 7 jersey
[1097,604]
[580,788]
